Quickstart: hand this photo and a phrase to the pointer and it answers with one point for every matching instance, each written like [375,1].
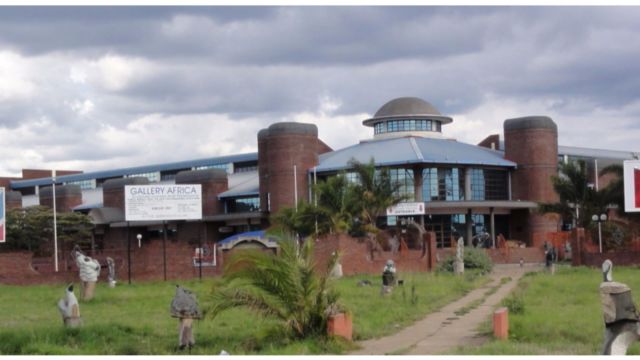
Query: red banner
[636,181]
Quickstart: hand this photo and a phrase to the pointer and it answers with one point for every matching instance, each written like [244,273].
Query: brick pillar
[430,238]
[577,238]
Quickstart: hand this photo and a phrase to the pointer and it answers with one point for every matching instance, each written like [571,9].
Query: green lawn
[134,319]
[561,314]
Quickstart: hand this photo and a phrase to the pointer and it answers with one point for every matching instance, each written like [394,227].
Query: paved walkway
[443,330]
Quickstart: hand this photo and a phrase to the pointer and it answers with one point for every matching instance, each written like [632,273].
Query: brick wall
[19,268]
[357,256]
[587,254]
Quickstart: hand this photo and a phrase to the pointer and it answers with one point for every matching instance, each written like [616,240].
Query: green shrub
[515,304]
[473,259]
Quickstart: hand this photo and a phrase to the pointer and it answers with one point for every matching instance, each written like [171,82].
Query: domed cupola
[407,116]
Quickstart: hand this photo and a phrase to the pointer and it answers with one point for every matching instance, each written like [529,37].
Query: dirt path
[443,329]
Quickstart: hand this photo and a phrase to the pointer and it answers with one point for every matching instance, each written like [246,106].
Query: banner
[163,202]
[406,208]
[2,216]
[632,186]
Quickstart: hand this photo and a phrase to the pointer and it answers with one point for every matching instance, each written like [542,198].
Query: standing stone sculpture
[458,264]
[388,276]
[69,308]
[621,319]
[89,271]
[184,306]
[112,272]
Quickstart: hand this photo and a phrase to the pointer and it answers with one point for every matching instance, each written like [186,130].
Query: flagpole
[55,223]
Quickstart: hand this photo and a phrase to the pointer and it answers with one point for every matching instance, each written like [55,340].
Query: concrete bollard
[501,323]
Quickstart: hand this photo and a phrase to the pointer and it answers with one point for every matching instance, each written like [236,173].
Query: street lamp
[599,219]
[139,237]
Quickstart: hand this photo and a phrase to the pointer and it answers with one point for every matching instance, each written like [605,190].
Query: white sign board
[3,227]
[632,186]
[406,208]
[163,202]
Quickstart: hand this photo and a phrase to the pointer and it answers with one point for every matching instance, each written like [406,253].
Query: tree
[286,286]
[31,229]
[343,206]
[577,199]
[373,193]
[305,220]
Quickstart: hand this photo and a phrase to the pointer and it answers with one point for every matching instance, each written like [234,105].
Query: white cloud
[82,108]
[15,82]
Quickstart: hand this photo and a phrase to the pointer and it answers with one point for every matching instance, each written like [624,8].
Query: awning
[477,207]
[106,215]
[252,236]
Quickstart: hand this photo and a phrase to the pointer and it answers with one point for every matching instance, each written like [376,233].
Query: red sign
[636,181]
[2,215]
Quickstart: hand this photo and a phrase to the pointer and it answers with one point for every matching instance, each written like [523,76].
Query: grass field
[134,319]
[560,314]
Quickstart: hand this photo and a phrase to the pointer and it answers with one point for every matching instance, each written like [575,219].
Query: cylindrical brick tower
[213,181]
[263,168]
[532,143]
[67,197]
[13,199]
[291,151]
[113,190]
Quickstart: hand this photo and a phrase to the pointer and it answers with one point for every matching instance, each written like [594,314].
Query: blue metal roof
[242,184]
[106,174]
[413,150]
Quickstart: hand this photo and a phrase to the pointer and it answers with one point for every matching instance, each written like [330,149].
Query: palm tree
[578,200]
[286,286]
[333,200]
[374,192]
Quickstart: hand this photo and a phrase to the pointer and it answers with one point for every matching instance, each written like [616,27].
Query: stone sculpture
[184,306]
[69,308]
[89,271]
[112,272]
[621,319]
[388,277]
[458,264]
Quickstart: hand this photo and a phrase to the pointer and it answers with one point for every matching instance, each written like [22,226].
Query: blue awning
[258,236]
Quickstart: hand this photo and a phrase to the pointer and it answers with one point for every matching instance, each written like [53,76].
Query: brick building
[492,187]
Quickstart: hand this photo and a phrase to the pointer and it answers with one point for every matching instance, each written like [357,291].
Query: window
[442,184]
[152,176]
[404,177]
[227,166]
[248,204]
[406,125]
[84,184]
[488,184]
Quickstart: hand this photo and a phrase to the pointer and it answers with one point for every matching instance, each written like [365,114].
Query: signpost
[161,202]
[3,237]
[632,186]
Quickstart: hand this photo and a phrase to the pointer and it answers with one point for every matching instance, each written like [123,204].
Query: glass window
[489,184]
[442,184]
[239,205]
[84,184]
[227,166]
[404,177]
[152,176]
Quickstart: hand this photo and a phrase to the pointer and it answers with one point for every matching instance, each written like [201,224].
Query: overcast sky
[94,88]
